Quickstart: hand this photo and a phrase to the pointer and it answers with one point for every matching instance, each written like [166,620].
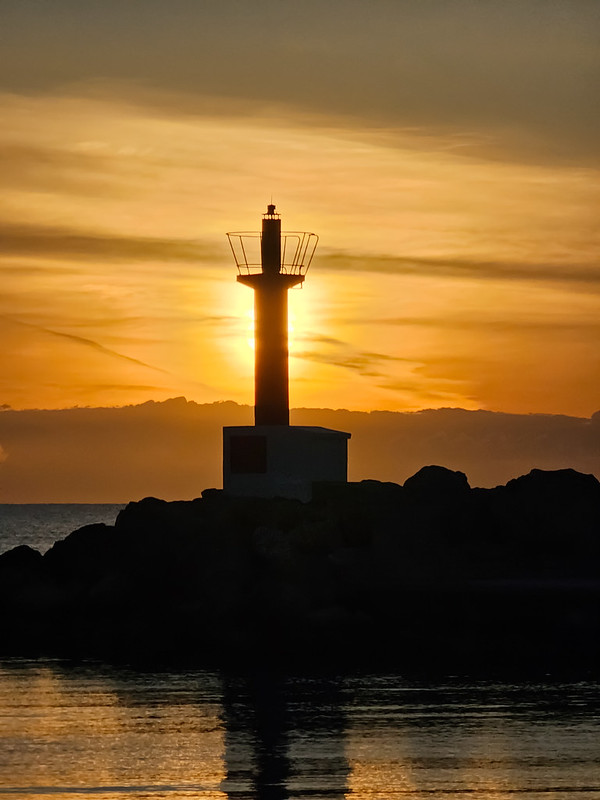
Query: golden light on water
[108,731]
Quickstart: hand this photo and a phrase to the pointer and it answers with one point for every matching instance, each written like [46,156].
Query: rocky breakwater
[432,574]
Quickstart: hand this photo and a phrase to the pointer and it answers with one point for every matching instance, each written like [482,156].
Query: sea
[39,525]
[74,730]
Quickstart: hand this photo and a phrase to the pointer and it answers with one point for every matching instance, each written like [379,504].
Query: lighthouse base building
[282,460]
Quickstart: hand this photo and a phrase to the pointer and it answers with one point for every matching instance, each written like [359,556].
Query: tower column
[271,380]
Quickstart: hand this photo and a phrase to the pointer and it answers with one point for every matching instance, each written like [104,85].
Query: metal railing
[297,251]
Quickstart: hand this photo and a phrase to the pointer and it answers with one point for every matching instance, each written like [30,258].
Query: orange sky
[444,153]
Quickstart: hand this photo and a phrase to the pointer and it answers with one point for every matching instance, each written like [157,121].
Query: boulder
[437,482]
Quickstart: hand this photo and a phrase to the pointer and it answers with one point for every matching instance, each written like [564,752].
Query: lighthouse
[273,458]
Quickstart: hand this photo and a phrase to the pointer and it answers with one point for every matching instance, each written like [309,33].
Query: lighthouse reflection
[283,736]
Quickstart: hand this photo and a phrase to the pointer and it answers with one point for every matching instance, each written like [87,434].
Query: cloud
[461,267]
[363,362]
[545,326]
[51,242]
[30,167]
[19,269]
[124,387]
[521,75]
[48,241]
[448,398]
[321,339]
[86,343]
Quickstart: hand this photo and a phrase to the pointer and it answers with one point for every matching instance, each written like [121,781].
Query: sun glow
[250,341]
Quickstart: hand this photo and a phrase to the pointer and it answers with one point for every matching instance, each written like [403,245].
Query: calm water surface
[88,730]
[40,524]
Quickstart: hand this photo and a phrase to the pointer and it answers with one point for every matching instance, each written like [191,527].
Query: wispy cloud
[555,326]
[124,387]
[462,267]
[34,167]
[40,241]
[366,363]
[453,397]
[86,343]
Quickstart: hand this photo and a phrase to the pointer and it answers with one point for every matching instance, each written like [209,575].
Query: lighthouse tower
[274,458]
[271,284]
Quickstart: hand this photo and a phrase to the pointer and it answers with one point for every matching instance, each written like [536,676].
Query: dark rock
[437,481]
[562,480]
[367,574]
[22,556]
[19,567]
[82,554]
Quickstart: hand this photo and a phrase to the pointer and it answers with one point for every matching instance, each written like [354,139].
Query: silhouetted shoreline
[431,575]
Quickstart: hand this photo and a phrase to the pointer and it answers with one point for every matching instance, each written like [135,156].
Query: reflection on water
[284,738]
[75,731]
